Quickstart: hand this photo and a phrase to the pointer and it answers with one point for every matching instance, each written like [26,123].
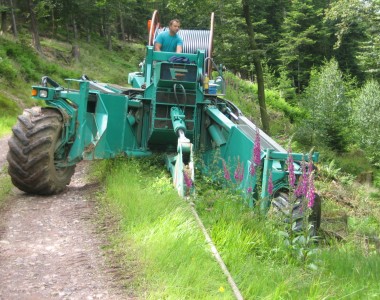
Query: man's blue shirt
[168,42]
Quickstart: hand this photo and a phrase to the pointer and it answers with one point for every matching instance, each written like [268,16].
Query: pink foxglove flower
[290,162]
[301,189]
[270,184]
[252,169]
[256,154]
[310,195]
[257,149]
[187,179]
[241,174]
[237,172]
[227,175]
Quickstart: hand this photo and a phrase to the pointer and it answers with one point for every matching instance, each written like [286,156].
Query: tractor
[166,108]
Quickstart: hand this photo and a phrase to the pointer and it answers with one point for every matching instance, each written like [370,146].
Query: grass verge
[265,268]
[158,241]
[6,124]
[157,238]
[5,185]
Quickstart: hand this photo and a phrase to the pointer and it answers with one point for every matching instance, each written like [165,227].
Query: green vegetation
[5,186]
[21,67]
[258,258]
[156,234]
[367,118]
[282,113]
[5,124]
[158,238]
[9,110]
[20,63]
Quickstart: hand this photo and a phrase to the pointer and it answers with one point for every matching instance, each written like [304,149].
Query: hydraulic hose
[176,97]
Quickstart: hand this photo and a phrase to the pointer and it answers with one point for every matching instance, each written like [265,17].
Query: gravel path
[49,248]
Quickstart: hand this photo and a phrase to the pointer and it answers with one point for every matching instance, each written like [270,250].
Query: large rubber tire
[282,204]
[31,153]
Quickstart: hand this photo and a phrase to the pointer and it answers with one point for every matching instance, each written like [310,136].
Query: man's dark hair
[174,20]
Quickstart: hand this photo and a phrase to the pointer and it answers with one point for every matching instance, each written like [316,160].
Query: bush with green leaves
[8,108]
[367,119]
[20,61]
[243,94]
[7,71]
[328,107]
[376,181]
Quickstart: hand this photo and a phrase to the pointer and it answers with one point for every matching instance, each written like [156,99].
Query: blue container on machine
[212,88]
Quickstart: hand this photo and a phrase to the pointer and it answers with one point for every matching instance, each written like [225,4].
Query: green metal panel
[233,146]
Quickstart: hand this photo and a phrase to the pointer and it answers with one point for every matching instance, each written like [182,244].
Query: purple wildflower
[241,174]
[237,172]
[187,179]
[249,190]
[299,190]
[252,169]
[270,184]
[257,149]
[227,175]
[303,182]
[290,161]
[256,154]
[310,195]
[310,166]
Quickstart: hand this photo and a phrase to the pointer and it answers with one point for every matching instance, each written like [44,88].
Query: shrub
[328,108]
[367,119]
[376,179]
[7,71]
[8,108]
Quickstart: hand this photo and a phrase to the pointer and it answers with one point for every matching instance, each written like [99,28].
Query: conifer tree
[328,107]
[301,33]
[367,119]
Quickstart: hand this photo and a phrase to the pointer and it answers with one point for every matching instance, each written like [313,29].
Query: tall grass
[174,262]
[350,274]
[263,268]
[283,115]
[8,113]
[5,185]
[6,124]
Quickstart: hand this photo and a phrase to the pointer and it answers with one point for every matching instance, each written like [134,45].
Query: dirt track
[49,248]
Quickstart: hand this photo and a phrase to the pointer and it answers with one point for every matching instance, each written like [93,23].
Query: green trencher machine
[167,109]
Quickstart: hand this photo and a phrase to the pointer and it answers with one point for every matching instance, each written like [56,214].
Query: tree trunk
[122,30]
[109,38]
[14,24]
[102,28]
[67,32]
[34,27]
[3,16]
[75,52]
[75,49]
[52,23]
[108,32]
[88,35]
[3,22]
[75,29]
[258,68]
